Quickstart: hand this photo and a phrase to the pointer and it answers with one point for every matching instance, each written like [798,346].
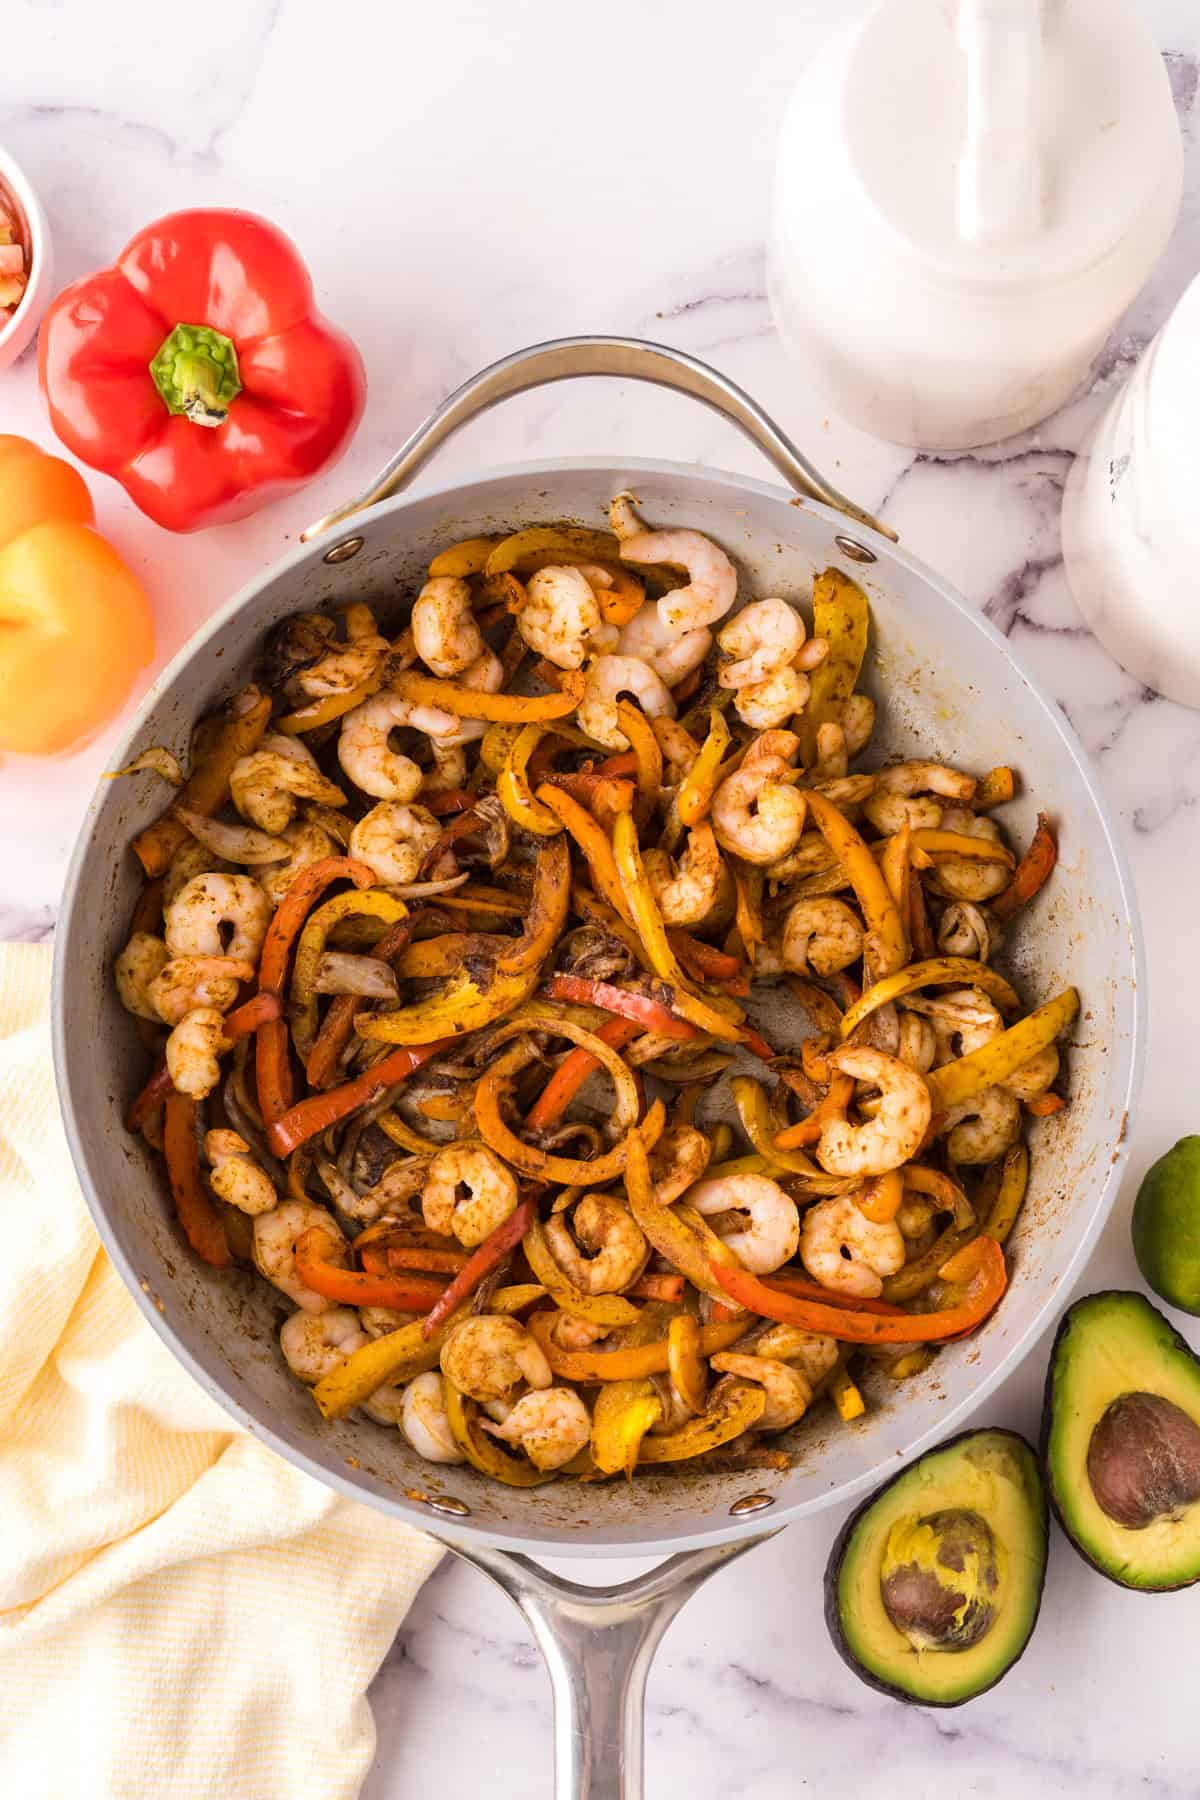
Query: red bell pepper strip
[197,1215]
[506,1237]
[352,1287]
[198,372]
[657,1287]
[451,800]
[573,1071]
[1031,873]
[703,962]
[647,1012]
[251,1014]
[415,1256]
[800,1289]
[980,1264]
[151,1096]
[308,1117]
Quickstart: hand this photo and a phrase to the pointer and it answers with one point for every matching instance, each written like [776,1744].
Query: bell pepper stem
[195,370]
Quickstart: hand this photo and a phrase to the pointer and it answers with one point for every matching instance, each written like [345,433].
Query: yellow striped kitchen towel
[181,1612]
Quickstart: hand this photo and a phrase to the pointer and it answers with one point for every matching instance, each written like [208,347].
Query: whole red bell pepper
[198,372]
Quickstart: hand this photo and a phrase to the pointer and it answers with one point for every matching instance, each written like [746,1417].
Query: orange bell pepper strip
[222,742]
[319,1111]
[980,1265]
[76,622]
[433,956]
[707,963]
[416,1256]
[886,944]
[994,788]
[470,703]
[1045,1105]
[657,1287]
[648,1013]
[316,1268]
[648,754]
[698,786]
[591,839]
[1031,873]
[919,929]
[337,1029]
[838,1098]
[498,1243]
[799,1288]
[512,785]
[631,1364]
[573,1071]
[611,798]
[252,1014]
[328,708]
[199,1218]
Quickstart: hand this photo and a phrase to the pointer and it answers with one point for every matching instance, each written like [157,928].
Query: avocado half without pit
[1121,1442]
[933,1586]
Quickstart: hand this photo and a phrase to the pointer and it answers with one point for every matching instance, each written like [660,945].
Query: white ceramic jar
[968,194]
[1131,519]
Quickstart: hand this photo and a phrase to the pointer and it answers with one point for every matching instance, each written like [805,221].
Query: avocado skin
[1064,1325]
[841,1543]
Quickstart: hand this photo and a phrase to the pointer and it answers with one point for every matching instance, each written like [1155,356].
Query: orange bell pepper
[76,620]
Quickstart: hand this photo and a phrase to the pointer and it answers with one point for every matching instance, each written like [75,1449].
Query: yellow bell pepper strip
[1002,1056]
[994,788]
[516,1298]
[480,897]
[1000,1218]
[468,557]
[500,709]
[837,1099]
[846,1397]
[886,943]
[403,1135]
[319,1111]
[623,600]
[374,902]
[958,843]
[506,1236]
[198,1217]
[842,617]
[648,753]
[980,1265]
[430,957]
[895,865]
[400,1356]
[698,786]
[591,839]
[598,1309]
[316,1268]
[685,1364]
[748,887]
[653,932]
[937,971]
[733,1407]
[483,1452]
[1031,873]
[512,785]
[922,1271]
[632,1363]
[754,1111]
[682,1236]
[622,1415]
[536,540]
[232,735]
[328,708]
[495,746]
[565,1171]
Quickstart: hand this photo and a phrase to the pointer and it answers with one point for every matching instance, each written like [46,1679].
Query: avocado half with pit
[933,1586]
[1121,1442]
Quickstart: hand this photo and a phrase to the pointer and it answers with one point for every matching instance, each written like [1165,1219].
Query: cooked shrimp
[678,746]
[773,701]
[902,795]
[191,858]
[814,1353]
[551,1426]
[561,618]
[712,585]
[686,891]
[891,1138]
[366,754]
[386,1404]
[788,1392]
[468,1192]
[576,1334]
[266,784]
[821,935]
[603,1226]
[679,1158]
[346,666]
[276,1234]
[963,1018]
[969,877]
[915,1217]
[218,915]
[187,982]
[379,1321]
[449,768]
[984,1127]
[235,1176]
[833,755]
[607,679]
[763,638]
[315,1344]
[768,1234]
[394,840]
[140,962]
[444,628]
[756,815]
[917,1047]
[623,521]
[670,653]
[858,722]
[194,1051]
[424,1422]
[846,1252]
[487,1357]
[965,929]
[1035,1076]
[307,843]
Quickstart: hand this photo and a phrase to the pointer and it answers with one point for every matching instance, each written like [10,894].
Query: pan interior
[945,685]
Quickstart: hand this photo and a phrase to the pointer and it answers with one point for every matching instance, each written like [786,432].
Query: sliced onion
[158,758]
[236,843]
[425,890]
[339,972]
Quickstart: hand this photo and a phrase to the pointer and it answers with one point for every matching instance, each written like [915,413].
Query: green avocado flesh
[933,1586]
[1121,1441]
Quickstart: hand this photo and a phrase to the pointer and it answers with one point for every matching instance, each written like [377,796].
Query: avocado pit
[1143,1460]
[939,1577]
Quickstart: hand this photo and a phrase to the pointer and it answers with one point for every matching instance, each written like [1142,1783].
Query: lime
[1166,1226]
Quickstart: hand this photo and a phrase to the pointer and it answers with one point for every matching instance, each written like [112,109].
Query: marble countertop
[465,179]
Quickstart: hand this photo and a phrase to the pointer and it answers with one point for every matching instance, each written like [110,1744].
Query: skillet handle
[598,1644]
[628,358]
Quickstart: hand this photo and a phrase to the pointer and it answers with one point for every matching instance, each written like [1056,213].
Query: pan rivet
[458,1509]
[350,547]
[750,1503]
[847,545]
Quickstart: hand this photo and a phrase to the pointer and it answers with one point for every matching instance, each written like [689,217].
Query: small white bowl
[21,325]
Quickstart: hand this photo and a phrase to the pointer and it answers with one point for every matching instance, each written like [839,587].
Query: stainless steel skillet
[947,682]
